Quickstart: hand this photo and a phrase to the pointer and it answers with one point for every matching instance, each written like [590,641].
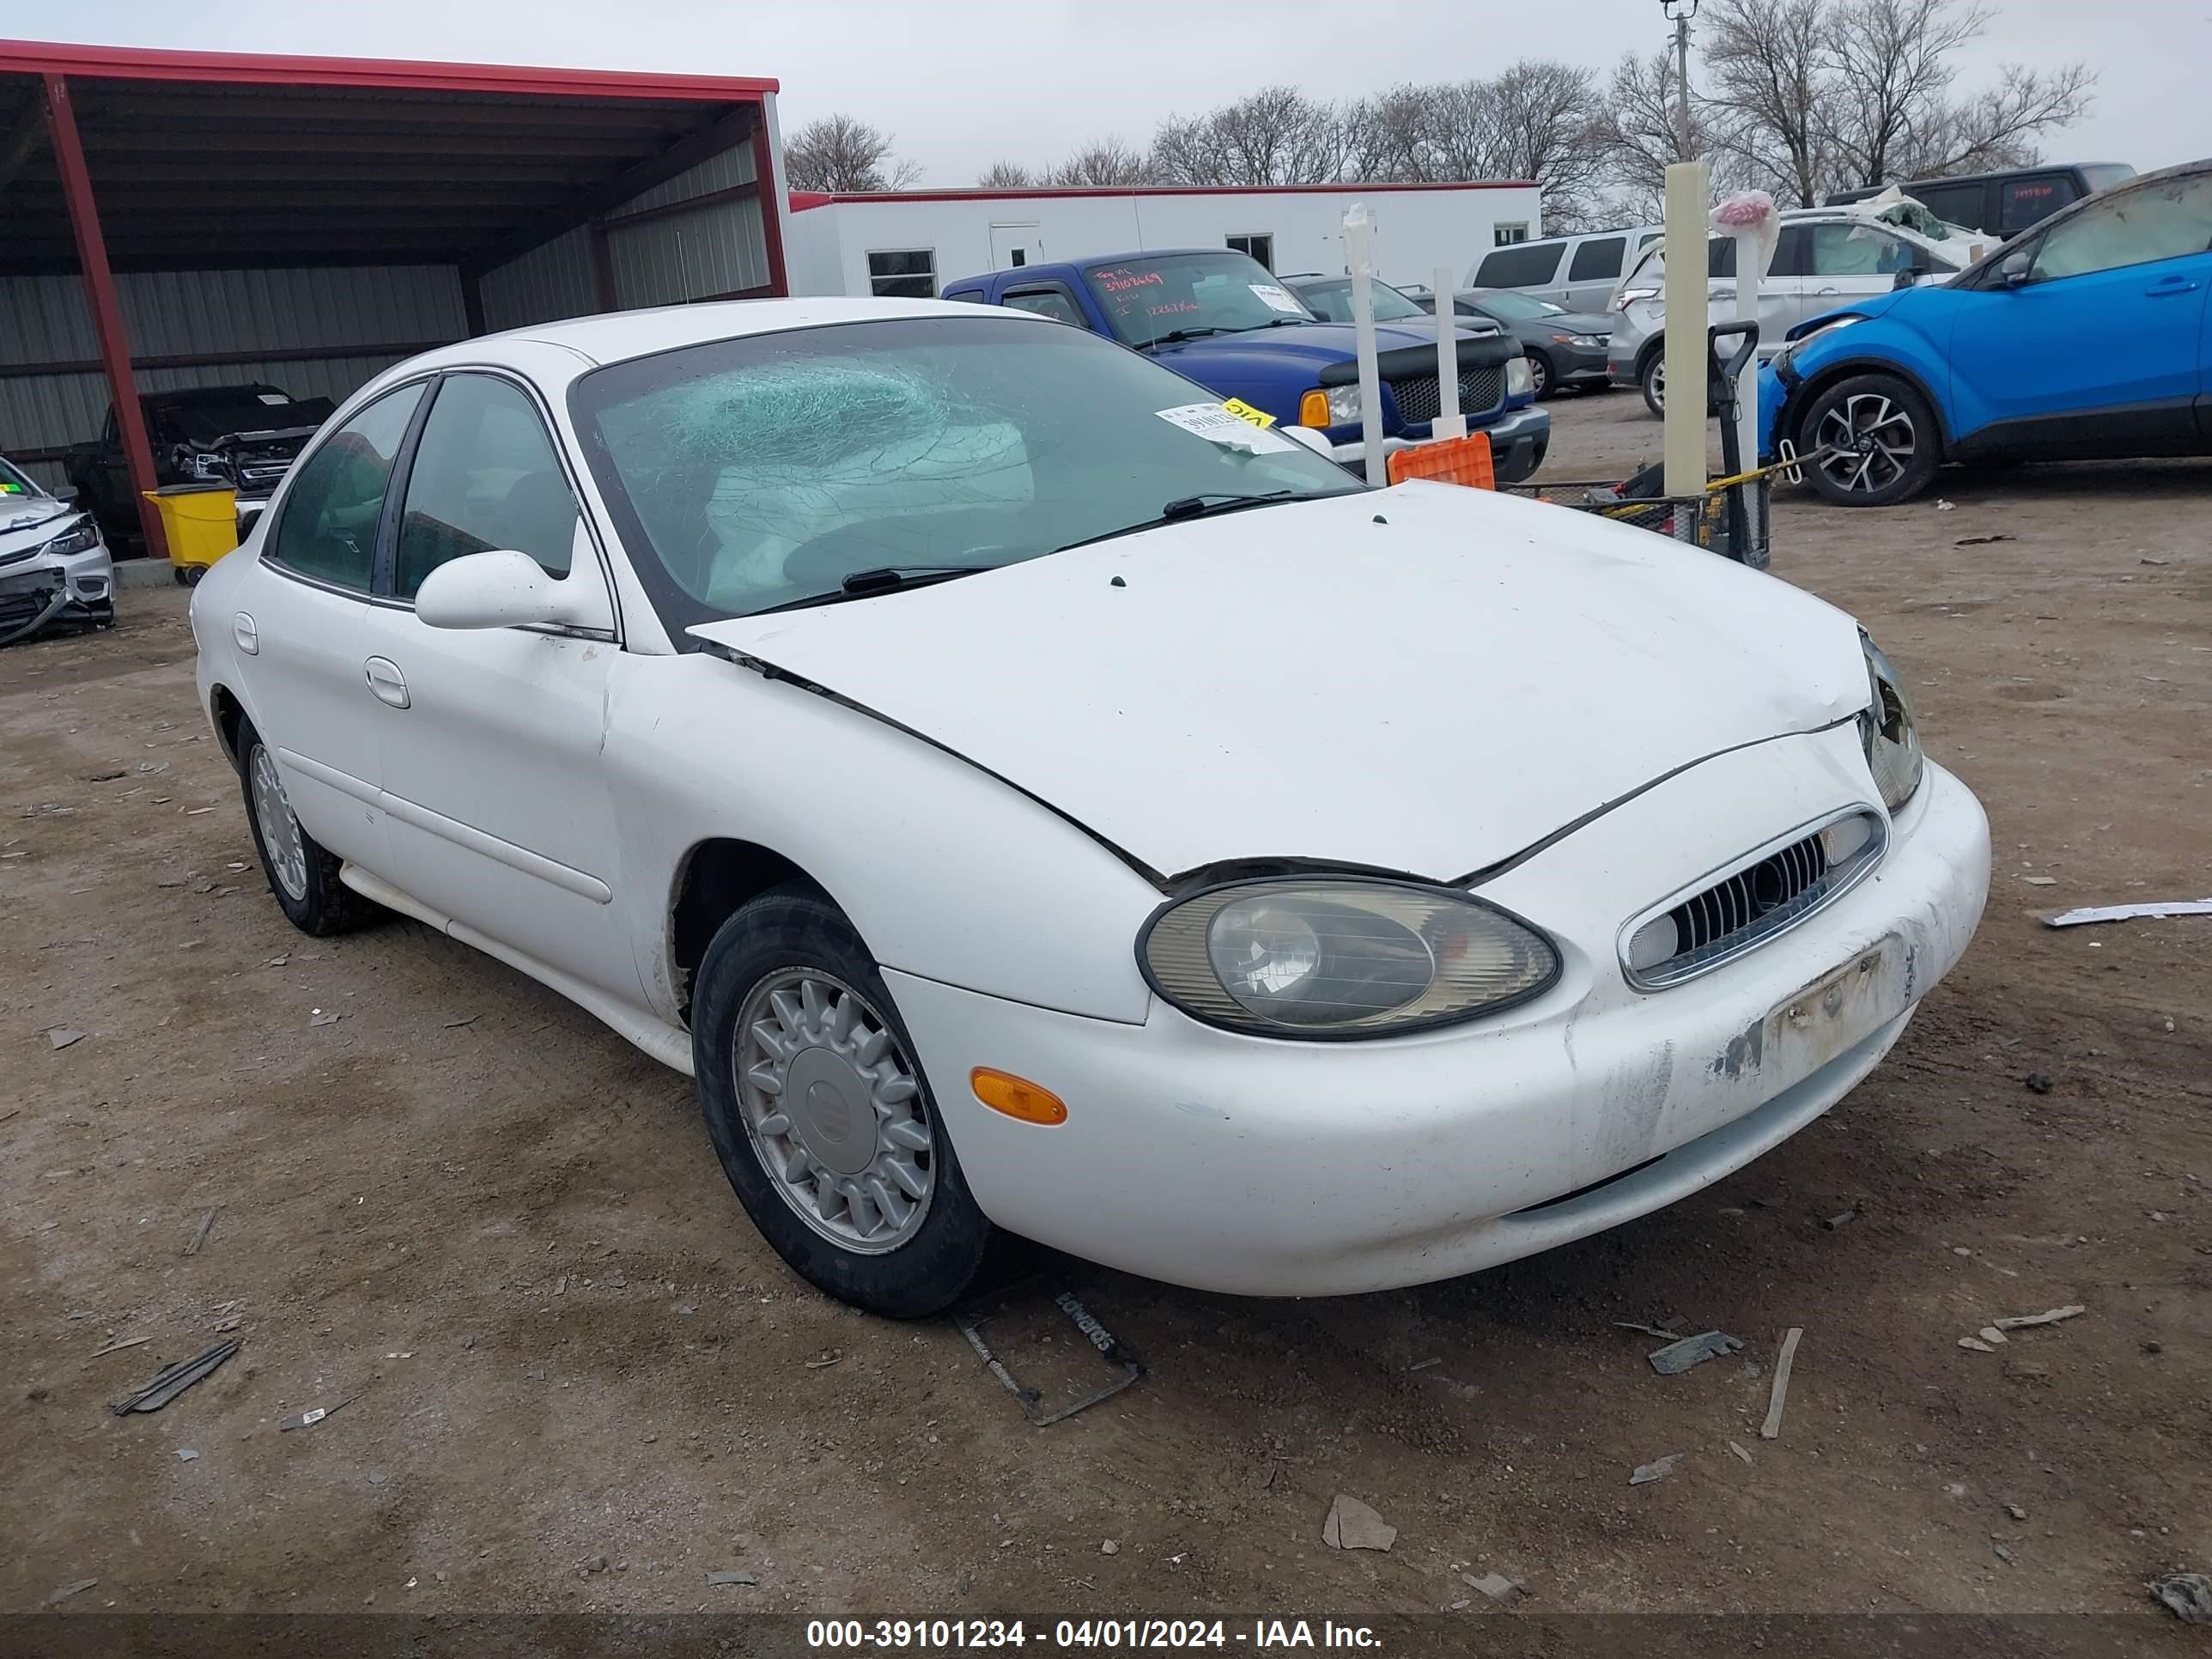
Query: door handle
[386,681]
[1823,293]
[2169,288]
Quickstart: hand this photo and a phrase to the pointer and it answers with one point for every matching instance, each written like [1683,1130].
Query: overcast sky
[960,94]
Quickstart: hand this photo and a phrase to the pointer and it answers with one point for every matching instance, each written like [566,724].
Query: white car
[1026,797]
[55,570]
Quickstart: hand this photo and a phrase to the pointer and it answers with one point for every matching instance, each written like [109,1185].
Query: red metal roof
[265,69]
[803,199]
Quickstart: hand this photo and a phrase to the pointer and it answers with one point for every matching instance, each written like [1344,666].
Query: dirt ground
[490,1239]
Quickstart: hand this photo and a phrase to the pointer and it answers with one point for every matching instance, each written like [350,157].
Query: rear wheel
[821,1115]
[1885,438]
[1540,375]
[1653,383]
[303,875]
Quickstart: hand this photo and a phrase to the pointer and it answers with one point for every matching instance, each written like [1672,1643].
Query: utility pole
[1681,11]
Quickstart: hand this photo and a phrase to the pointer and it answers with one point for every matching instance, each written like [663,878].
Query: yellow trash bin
[200,521]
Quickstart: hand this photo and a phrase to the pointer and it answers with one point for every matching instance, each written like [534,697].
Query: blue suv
[2087,337]
[1221,319]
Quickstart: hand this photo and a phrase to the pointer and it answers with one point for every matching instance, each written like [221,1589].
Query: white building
[911,243]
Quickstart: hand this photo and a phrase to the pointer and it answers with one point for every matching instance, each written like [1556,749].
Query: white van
[1578,272]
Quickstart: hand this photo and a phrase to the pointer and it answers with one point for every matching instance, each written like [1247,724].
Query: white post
[1449,423]
[1688,191]
[1359,260]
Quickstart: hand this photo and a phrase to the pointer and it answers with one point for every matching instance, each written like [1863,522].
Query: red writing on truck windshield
[1116,281]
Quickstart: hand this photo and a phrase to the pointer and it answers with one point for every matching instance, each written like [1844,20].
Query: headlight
[1887,731]
[1517,377]
[1341,956]
[80,537]
[1343,404]
[1590,342]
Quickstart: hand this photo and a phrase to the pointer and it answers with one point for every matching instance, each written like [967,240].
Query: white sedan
[1024,796]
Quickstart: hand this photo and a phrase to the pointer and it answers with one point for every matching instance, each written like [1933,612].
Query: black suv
[246,436]
[2005,204]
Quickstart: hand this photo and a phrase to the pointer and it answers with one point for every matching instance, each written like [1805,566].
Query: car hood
[1315,344]
[1426,679]
[1571,322]
[31,521]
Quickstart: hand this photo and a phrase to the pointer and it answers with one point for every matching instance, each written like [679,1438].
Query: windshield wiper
[883,579]
[1202,506]
[1175,335]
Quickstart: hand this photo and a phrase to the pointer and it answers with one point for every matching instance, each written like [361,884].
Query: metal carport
[230,215]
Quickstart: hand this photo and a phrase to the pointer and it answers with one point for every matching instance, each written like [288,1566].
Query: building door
[1015,243]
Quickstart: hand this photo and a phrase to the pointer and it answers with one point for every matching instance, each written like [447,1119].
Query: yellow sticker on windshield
[1244,411]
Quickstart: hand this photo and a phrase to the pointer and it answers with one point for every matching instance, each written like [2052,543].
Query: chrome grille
[1776,888]
[1480,391]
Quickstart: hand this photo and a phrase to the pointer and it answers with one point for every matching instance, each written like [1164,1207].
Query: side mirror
[1906,277]
[1306,438]
[63,493]
[2014,268]
[491,590]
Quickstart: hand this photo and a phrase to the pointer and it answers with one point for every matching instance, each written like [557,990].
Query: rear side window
[1598,258]
[1526,265]
[1053,302]
[329,528]
[2025,202]
[1958,204]
[1841,249]
[484,477]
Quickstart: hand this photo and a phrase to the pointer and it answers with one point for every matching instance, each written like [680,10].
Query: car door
[299,622]
[489,739]
[1840,262]
[2098,347]
[1593,271]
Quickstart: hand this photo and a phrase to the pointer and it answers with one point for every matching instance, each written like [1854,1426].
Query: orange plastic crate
[1450,460]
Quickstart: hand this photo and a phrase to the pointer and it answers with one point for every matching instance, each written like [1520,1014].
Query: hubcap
[282,838]
[834,1110]
[1874,440]
[1539,377]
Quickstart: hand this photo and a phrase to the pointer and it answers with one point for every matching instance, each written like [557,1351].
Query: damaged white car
[55,570]
[1026,797]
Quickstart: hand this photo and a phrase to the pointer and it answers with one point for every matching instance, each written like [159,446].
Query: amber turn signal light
[1016,1097]
[1313,409]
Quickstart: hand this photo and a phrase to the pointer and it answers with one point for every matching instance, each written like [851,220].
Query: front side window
[1332,302]
[1597,258]
[1053,302]
[1150,299]
[328,530]
[903,273]
[2166,220]
[485,475]
[1520,267]
[761,472]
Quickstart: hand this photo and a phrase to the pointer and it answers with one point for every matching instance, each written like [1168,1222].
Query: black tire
[796,929]
[323,905]
[176,575]
[1896,445]
[1651,381]
[1540,372]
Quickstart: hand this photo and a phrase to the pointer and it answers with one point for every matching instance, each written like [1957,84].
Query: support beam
[22,141]
[472,300]
[603,267]
[106,310]
[774,200]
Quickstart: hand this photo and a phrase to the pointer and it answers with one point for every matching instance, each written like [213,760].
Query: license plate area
[1835,1012]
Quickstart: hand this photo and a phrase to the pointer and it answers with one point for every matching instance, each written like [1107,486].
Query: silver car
[1826,258]
[54,569]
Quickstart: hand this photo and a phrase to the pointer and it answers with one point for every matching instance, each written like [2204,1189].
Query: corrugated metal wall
[720,248]
[45,319]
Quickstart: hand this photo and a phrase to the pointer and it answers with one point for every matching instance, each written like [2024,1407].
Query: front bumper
[1518,441]
[76,590]
[1580,365]
[1266,1167]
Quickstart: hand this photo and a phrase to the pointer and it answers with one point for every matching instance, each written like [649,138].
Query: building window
[1506,235]
[1260,245]
[904,274]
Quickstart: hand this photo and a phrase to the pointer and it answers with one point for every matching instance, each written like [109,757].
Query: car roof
[616,335]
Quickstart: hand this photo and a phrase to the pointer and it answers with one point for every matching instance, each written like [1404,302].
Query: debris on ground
[1109,1350]
[1679,1357]
[200,1234]
[1976,1344]
[1841,1218]
[1353,1526]
[1659,1331]
[1992,1334]
[2003,1553]
[1424,1365]
[732,1577]
[1739,1451]
[2016,1511]
[2038,1082]
[187,1454]
[2156,910]
[174,1380]
[2040,881]
[1772,1428]
[308,1419]
[61,1037]
[128,1342]
[322,1018]
[2049,1317]
[1982,541]
[1109,1547]
[1497,1586]
[1943,506]
[2188,1594]
[1658,1469]
[83,1585]
[829,1356]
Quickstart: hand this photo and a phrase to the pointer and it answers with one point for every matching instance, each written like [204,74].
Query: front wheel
[1653,384]
[1884,437]
[821,1115]
[1540,375]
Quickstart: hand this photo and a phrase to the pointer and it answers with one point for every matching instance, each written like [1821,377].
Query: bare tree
[1770,81]
[1998,126]
[1276,136]
[1005,175]
[843,154]
[1546,125]
[1108,162]
[1639,133]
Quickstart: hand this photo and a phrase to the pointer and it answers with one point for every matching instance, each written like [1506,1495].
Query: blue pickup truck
[1223,319]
